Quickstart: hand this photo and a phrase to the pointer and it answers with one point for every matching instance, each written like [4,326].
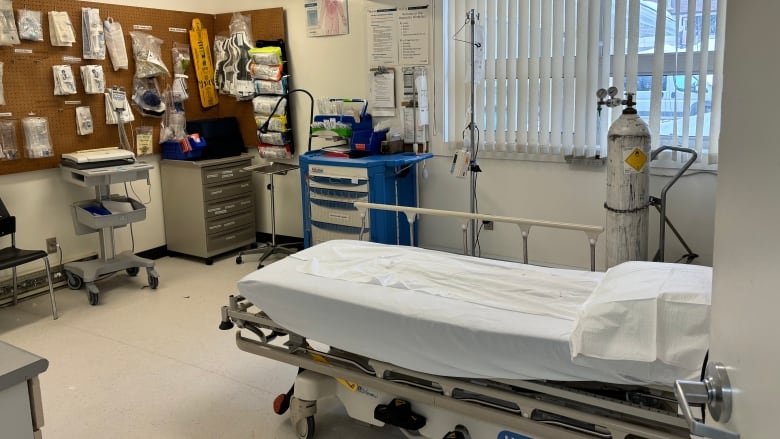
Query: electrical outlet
[487,225]
[51,245]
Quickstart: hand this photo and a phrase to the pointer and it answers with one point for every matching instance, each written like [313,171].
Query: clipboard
[383,101]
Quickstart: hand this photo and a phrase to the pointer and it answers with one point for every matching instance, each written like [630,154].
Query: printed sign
[634,159]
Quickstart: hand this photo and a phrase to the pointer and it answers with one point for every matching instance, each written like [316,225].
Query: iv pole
[471,16]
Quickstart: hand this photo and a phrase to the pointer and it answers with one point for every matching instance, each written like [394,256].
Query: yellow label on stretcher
[204,68]
[348,384]
[636,159]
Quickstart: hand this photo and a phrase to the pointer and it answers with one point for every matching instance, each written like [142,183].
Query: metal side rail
[534,408]
[591,232]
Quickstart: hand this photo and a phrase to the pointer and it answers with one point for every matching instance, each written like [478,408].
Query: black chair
[11,257]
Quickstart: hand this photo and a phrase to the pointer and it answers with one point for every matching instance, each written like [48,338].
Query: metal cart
[85,221]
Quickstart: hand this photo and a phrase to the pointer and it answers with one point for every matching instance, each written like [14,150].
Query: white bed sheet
[440,334]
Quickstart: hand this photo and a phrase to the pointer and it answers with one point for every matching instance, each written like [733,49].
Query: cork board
[28,81]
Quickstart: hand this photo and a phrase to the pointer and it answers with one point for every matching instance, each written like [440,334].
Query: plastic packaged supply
[270,55]
[117,108]
[275,123]
[8,34]
[61,31]
[93,40]
[84,124]
[271,87]
[37,138]
[274,152]
[30,25]
[268,73]
[8,149]
[115,44]
[64,82]
[265,105]
[93,79]
[148,59]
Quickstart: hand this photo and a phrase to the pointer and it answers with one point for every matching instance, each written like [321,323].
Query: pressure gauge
[601,93]
[613,91]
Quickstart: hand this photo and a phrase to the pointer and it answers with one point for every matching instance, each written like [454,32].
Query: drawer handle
[216,192]
[230,224]
[231,237]
[220,212]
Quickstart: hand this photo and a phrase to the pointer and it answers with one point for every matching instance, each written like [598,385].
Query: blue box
[173,151]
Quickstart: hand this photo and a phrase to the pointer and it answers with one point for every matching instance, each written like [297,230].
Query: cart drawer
[336,212]
[227,207]
[321,232]
[229,240]
[222,223]
[218,174]
[227,190]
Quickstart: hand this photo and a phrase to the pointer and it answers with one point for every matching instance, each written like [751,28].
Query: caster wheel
[154,282]
[305,428]
[209,261]
[94,298]
[132,271]
[74,282]
[238,260]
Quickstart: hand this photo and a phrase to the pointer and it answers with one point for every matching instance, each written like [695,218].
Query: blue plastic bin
[172,150]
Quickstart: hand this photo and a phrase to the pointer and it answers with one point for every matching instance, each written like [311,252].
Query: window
[545,59]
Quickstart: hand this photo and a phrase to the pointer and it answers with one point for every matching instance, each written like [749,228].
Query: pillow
[648,320]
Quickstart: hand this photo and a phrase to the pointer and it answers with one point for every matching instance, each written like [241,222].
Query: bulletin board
[28,80]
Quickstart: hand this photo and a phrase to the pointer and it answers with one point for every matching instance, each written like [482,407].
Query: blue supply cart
[330,186]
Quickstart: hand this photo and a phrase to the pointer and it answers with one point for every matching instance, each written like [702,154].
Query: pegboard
[28,80]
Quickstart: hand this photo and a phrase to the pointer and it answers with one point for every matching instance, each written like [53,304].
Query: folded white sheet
[646,313]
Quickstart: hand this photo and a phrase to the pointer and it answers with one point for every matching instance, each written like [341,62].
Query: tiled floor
[152,363]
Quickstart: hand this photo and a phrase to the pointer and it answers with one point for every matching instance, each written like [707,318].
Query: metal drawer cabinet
[208,206]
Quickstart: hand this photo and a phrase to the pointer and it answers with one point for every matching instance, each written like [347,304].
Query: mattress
[435,312]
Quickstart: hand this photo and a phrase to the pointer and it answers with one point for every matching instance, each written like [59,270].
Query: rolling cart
[103,214]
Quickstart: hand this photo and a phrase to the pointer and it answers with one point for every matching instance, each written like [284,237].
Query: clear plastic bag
[93,39]
[147,97]
[64,82]
[61,30]
[274,152]
[181,63]
[147,55]
[84,124]
[265,105]
[30,25]
[117,108]
[93,79]
[115,44]
[37,138]
[8,34]
[8,149]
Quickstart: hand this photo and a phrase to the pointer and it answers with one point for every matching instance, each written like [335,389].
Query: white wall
[337,66]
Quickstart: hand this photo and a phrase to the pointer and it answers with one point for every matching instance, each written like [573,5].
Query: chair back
[7,221]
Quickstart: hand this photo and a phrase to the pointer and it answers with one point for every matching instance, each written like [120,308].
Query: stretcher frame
[506,409]
[478,408]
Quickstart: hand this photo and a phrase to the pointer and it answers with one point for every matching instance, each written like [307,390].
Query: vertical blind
[545,59]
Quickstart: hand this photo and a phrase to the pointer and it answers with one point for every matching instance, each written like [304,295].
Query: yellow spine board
[204,68]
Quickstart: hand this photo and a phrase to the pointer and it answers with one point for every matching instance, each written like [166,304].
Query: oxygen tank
[628,181]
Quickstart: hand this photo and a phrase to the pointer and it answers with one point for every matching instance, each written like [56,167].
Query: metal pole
[472,136]
[273,213]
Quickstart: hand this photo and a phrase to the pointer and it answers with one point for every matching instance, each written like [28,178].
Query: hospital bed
[445,345]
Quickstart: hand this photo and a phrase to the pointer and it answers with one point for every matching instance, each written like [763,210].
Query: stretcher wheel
[94,298]
[154,282]
[132,271]
[74,282]
[305,428]
[238,260]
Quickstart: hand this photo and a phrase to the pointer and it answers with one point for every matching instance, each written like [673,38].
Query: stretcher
[446,348]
